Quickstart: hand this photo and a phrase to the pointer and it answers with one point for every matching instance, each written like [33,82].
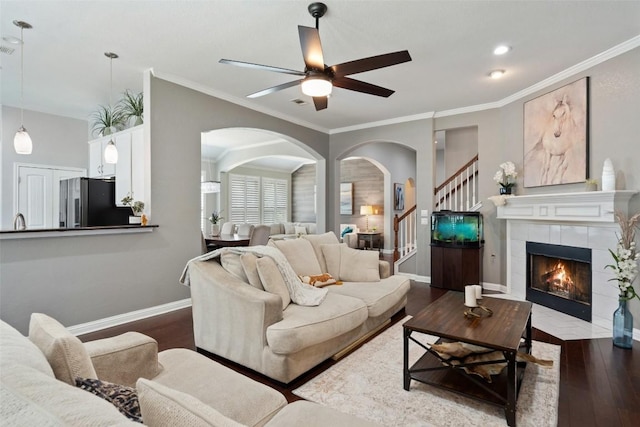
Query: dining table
[226,240]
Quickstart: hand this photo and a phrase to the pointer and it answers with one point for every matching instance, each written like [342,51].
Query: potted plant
[137,207]
[107,120]
[506,177]
[131,106]
[591,184]
[215,219]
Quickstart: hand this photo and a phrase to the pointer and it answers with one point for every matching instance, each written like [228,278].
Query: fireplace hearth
[559,277]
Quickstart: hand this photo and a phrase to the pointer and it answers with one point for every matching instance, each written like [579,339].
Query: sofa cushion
[300,229]
[124,398]
[272,279]
[380,296]
[289,228]
[302,327]
[231,263]
[18,350]
[301,256]
[359,266]
[163,406]
[250,267]
[276,229]
[235,396]
[66,353]
[31,398]
[332,254]
[317,240]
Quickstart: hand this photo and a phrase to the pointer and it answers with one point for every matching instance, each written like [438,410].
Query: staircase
[458,193]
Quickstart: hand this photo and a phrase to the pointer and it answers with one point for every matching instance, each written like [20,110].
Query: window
[256,200]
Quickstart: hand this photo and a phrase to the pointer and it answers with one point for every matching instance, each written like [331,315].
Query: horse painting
[556,137]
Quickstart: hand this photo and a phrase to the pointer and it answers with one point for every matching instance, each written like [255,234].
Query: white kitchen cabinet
[130,171]
[98,168]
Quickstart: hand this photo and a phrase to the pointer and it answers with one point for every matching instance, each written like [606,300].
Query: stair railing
[460,191]
[405,229]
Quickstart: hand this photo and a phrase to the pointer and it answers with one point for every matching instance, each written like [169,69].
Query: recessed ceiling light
[496,74]
[501,50]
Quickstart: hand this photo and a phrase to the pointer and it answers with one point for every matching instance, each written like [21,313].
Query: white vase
[135,219]
[608,176]
[215,229]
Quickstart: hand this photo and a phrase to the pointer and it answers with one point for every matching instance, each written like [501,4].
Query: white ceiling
[451,44]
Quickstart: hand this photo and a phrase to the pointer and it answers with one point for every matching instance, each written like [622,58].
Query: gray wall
[303,190]
[57,141]
[461,146]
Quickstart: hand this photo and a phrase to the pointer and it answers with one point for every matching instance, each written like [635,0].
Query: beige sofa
[236,318]
[287,230]
[175,387]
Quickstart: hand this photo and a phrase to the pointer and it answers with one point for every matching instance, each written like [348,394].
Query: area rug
[368,384]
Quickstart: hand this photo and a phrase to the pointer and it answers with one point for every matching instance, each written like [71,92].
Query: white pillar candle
[478,289]
[470,296]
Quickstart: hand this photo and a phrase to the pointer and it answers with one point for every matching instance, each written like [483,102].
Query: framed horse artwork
[556,136]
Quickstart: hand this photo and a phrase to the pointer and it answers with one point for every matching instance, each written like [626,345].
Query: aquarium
[459,229]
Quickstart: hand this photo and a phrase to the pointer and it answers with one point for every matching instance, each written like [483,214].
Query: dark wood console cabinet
[453,268]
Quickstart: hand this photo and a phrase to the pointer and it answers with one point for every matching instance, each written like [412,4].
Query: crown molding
[387,122]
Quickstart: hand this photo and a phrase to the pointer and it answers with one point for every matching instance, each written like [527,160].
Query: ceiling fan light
[111,153]
[496,74]
[22,142]
[316,86]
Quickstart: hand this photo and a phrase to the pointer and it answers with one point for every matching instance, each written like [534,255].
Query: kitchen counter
[79,231]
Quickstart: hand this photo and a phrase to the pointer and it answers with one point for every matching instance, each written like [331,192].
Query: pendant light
[110,151]
[22,141]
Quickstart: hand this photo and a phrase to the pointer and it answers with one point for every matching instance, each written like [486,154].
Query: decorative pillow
[332,255]
[320,280]
[272,280]
[164,406]
[122,397]
[65,352]
[317,240]
[289,228]
[359,266]
[231,263]
[276,229]
[346,231]
[300,230]
[248,261]
[301,256]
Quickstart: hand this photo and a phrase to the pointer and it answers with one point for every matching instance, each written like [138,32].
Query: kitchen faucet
[19,222]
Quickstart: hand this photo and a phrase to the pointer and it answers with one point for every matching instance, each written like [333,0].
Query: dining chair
[260,235]
[228,228]
[245,230]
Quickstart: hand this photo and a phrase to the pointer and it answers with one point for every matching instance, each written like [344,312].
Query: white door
[38,193]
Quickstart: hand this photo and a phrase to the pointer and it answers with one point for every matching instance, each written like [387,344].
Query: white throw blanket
[301,293]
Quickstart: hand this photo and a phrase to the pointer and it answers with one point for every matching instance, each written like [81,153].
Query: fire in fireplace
[559,277]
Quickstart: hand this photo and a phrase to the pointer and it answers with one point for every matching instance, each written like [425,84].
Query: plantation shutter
[245,199]
[274,200]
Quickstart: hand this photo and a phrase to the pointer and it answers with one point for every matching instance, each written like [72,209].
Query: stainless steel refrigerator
[90,202]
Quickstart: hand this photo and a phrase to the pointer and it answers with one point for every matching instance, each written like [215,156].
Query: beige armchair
[350,237]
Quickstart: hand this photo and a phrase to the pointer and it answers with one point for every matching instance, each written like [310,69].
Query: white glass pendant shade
[22,142]
[111,153]
[316,86]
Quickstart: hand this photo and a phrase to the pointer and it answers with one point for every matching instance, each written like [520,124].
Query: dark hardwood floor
[599,383]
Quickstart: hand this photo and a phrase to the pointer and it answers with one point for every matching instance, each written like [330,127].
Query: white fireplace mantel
[587,206]
[584,219]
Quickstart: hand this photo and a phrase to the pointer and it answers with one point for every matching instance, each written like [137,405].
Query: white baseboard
[416,277]
[108,322]
[494,287]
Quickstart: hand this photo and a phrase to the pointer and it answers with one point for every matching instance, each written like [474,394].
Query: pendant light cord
[21,76]
[111,86]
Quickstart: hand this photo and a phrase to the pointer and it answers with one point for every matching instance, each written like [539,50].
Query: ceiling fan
[319,78]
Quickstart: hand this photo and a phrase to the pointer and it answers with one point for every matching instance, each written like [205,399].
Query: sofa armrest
[231,317]
[124,358]
[385,269]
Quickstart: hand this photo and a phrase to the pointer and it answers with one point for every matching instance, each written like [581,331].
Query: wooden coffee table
[511,321]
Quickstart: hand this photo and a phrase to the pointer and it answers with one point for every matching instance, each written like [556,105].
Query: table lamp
[366,210]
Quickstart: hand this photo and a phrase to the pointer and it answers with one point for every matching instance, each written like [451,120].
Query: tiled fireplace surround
[582,219]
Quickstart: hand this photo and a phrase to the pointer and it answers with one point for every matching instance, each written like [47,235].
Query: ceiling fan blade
[320,102]
[261,67]
[360,86]
[371,63]
[274,89]
[311,47]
